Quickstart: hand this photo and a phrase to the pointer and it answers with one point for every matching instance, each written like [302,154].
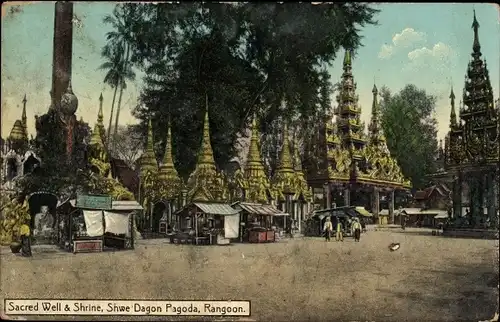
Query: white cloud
[385,51]
[437,61]
[439,50]
[406,38]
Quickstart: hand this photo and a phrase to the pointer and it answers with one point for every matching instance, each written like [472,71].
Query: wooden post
[391,206]
[196,228]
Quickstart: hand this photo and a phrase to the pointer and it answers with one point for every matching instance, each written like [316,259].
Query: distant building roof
[425,194]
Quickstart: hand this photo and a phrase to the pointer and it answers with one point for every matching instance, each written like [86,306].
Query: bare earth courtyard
[430,278]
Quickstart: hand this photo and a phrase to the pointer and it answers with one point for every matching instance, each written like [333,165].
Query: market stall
[206,223]
[92,223]
[258,224]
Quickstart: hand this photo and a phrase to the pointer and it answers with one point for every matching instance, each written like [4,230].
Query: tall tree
[411,131]
[117,51]
[248,58]
[113,77]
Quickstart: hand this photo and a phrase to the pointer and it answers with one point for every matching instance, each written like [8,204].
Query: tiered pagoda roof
[473,139]
[379,167]
[205,183]
[351,155]
[254,181]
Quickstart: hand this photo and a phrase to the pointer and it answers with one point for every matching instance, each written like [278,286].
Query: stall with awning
[95,222]
[257,221]
[206,223]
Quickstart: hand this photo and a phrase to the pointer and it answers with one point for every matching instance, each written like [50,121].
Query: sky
[427,44]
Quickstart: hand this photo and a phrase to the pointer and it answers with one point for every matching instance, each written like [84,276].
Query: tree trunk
[108,139]
[115,130]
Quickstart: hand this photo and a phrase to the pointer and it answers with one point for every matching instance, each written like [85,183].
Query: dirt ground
[430,278]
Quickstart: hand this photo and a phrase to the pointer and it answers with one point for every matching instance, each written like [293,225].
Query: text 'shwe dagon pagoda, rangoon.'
[163,191]
[352,164]
[472,143]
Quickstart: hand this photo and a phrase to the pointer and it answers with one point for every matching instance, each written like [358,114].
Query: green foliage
[56,174]
[246,57]
[410,128]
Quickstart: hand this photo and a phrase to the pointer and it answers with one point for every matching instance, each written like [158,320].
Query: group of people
[355,227]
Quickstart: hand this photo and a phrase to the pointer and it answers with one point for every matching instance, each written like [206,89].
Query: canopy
[259,209]
[216,208]
[441,216]
[363,212]
[118,205]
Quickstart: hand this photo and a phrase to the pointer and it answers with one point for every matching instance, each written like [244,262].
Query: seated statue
[44,222]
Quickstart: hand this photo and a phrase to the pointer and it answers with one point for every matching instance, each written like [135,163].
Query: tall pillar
[62,49]
[457,196]
[328,191]
[391,206]
[347,197]
[491,201]
[376,203]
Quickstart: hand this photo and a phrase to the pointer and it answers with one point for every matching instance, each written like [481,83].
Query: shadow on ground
[468,292]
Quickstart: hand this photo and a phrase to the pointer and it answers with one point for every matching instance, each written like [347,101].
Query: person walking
[327,228]
[339,236]
[356,226]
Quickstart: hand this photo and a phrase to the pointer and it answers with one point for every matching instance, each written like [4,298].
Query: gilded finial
[374,90]
[24,99]
[476,47]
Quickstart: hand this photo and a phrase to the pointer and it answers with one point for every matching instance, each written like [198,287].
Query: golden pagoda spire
[285,162]
[301,186]
[205,183]
[284,177]
[376,134]
[167,168]
[256,183]
[96,139]
[254,160]
[206,155]
[148,159]
[168,175]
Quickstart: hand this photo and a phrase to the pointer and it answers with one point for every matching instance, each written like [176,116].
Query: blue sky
[427,44]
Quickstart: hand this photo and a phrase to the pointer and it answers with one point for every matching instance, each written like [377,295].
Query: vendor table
[261,236]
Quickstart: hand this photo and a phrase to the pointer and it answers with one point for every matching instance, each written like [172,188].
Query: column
[347,197]
[391,206]
[457,196]
[328,191]
[376,203]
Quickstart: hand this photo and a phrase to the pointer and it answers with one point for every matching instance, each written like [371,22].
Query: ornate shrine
[352,163]
[472,143]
